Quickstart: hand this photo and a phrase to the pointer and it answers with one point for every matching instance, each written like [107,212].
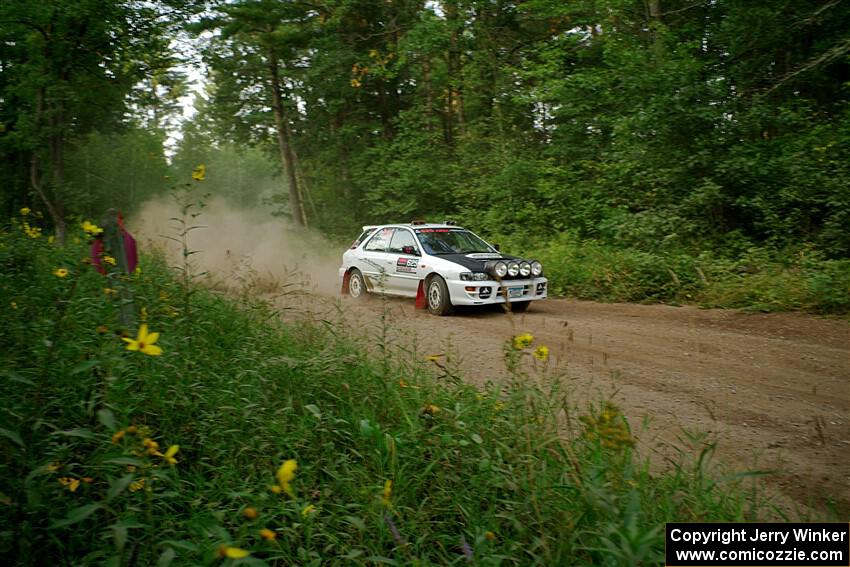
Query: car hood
[474,262]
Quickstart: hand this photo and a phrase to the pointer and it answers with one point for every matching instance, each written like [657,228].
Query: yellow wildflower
[276,489]
[14,305]
[110,291]
[609,427]
[199,173]
[169,454]
[118,436]
[268,534]
[31,231]
[433,358]
[522,341]
[232,552]
[430,409]
[54,466]
[109,260]
[132,429]
[308,509]
[60,272]
[91,228]
[25,211]
[541,353]
[152,447]
[71,484]
[144,342]
[489,536]
[386,499]
[251,513]
[285,475]
[137,485]
[355,83]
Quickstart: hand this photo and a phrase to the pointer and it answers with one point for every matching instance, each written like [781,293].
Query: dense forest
[668,128]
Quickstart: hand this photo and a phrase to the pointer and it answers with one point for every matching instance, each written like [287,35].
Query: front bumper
[491,291]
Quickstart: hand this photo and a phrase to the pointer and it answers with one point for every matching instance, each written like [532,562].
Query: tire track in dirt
[772,389]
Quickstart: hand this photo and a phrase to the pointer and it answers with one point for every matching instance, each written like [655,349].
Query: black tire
[356,284]
[519,306]
[437,295]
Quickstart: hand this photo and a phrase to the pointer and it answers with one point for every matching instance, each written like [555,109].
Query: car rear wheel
[356,284]
[439,302]
[519,306]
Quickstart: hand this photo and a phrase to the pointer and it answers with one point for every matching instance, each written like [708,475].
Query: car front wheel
[439,302]
[356,284]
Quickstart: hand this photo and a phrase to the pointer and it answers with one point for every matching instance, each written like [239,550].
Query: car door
[404,270]
[375,263]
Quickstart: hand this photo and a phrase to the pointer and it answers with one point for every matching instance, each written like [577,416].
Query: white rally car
[441,265]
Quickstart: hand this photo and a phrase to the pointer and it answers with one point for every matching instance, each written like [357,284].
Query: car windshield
[439,241]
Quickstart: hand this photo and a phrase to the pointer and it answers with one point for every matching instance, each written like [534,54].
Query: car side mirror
[497,247]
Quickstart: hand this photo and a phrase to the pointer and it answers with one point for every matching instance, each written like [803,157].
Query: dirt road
[772,389]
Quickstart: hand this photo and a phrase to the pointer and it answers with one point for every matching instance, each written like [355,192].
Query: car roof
[412,225]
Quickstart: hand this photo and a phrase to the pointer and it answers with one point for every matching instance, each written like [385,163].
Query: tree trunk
[454,96]
[53,205]
[284,143]
[386,111]
[429,90]
[655,10]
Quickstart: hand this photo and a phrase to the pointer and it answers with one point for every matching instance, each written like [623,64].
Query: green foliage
[121,171]
[69,70]
[243,175]
[120,456]
[704,129]
[754,278]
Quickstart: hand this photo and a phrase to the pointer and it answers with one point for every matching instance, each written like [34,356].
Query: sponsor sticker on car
[406,265]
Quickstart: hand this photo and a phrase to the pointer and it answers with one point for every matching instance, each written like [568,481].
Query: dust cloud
[242,250]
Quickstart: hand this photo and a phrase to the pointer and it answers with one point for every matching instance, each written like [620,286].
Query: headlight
[524,269]
[513,269]
[474,276]
[501,269]
[536,268]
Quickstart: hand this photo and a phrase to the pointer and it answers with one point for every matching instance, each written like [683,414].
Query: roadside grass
[120,457]
[756,279]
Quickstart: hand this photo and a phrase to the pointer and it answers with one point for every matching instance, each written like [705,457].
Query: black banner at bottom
[758,545]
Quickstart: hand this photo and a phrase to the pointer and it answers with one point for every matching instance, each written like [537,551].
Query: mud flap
[345,278]
[420,295]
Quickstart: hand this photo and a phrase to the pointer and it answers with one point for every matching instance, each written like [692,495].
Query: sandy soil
[772,389]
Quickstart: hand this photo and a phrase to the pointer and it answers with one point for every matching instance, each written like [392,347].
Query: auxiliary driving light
[536,268]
